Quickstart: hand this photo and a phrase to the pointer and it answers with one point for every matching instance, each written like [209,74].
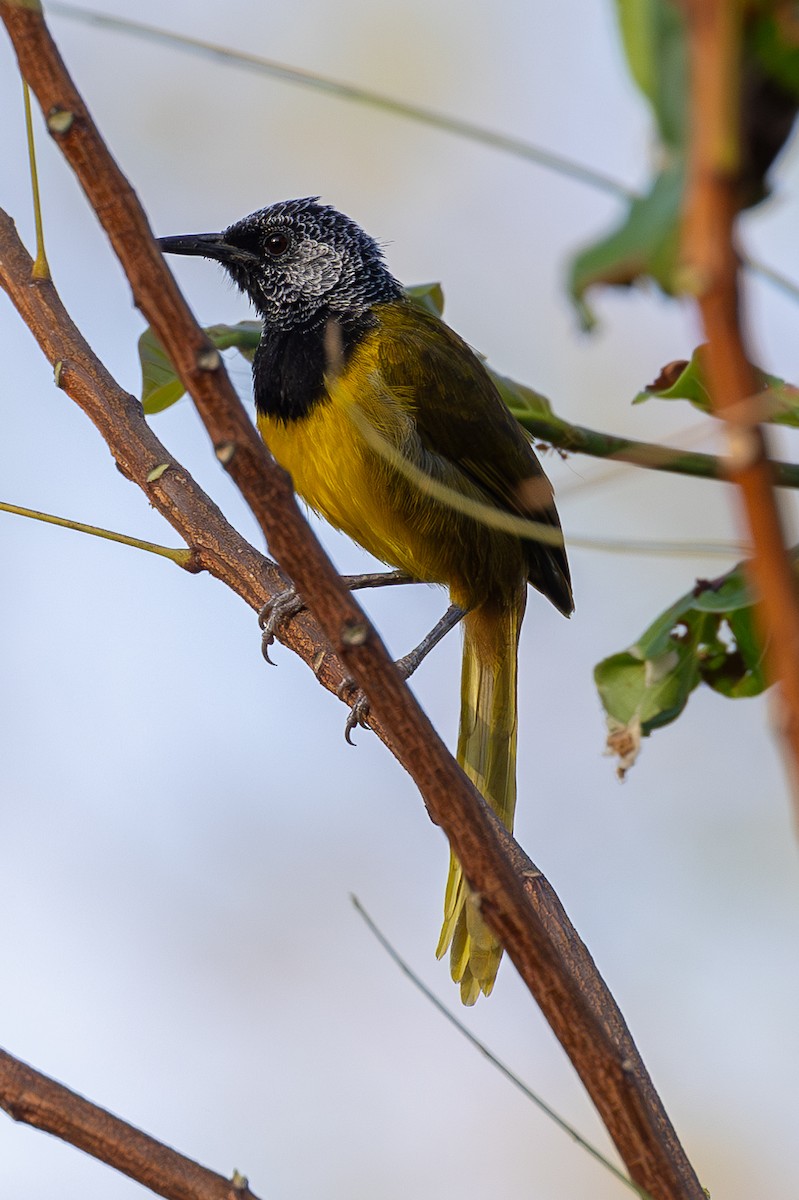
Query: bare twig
[215,544]
[712,273]
[41,267]
[30,1097]
[493,138]
[264,485]
[517,901]
[503,1069]
[182,557]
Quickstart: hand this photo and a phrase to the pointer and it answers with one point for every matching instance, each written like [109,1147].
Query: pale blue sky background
[180,826]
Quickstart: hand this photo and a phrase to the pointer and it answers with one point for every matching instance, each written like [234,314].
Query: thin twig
[28,1096]
[350,91]
[178,555]
[559,163]
[502,1067]
[711,272]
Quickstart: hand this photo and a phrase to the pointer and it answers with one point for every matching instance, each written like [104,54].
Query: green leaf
[752,680]
[654,42]
[707,636]
[646,692]
[725,595]
[243,337]
[688,381]
[656,640]
[681,381]
[520,399]
[776,46]
[427,296]
[161,387]
[645,243]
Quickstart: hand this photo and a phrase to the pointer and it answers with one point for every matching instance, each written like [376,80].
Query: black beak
[207,245]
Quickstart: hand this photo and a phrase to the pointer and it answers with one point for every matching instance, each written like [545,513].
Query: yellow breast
[340,474]
[357,458]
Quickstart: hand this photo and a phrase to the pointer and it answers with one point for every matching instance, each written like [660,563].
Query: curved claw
[359,711]
[358,715]
[280,608]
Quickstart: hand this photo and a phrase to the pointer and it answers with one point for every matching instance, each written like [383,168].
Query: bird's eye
[276,244]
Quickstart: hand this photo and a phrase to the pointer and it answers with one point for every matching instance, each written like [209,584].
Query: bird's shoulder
[458,411]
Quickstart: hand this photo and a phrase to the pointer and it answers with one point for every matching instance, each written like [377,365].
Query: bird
[392,428]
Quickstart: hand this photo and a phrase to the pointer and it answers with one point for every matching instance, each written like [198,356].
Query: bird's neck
[290,365]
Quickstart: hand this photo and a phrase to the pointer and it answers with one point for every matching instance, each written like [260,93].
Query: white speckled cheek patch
[316,268]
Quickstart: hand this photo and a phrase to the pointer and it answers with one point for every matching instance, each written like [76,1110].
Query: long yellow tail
[487,753]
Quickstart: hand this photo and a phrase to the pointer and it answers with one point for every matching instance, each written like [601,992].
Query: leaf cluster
[645,243]
[707,636]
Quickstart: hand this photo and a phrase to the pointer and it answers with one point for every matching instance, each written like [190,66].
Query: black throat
[290,365]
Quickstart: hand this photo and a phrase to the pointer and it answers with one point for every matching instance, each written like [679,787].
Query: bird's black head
[300,262]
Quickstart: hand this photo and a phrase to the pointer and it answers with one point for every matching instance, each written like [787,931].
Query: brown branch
[264,485]
[216,546]
[518,902]
[517,898]
[30,1097]
[712,267]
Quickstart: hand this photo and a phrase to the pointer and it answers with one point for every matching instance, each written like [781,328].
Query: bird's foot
[359,709]
[274,613]
[287,604]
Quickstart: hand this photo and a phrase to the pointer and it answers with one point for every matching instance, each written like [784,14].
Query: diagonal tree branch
[712,268]
[517,901]
[263,484]
[215,544]
[28,1096]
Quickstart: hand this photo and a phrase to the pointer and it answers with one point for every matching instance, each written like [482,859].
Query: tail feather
[487,753]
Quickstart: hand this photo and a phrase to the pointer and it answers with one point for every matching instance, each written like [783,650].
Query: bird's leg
[410,661]
[359,712]
[287,604]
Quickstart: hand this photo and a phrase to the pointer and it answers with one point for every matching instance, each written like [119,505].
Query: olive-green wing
[460,416]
